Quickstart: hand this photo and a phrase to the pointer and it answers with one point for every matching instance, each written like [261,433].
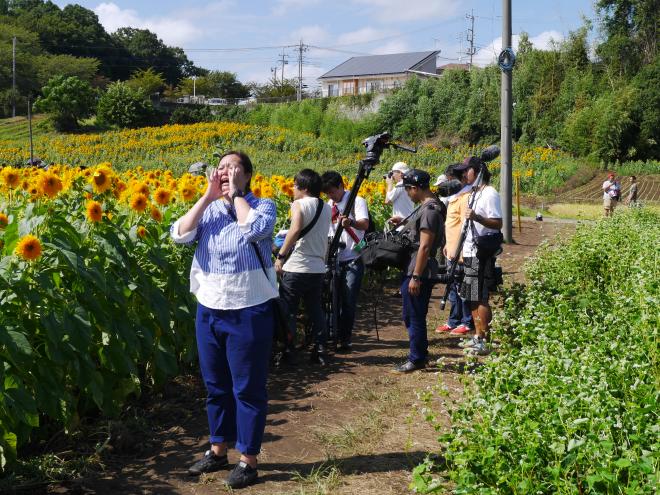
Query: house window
[333,90]
[373,86]
[347,88]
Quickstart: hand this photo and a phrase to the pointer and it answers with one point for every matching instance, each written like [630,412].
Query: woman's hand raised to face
[214,187]
[237,179]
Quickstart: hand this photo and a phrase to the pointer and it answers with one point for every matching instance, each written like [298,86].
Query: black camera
[388,175]
[443,274]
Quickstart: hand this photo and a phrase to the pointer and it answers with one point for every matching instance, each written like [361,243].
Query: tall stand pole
[505,124]
[30,130]
[13,77]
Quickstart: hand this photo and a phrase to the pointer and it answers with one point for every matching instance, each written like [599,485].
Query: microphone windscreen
[490,153]
[449,187]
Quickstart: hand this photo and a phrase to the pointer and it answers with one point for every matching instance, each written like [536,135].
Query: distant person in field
[611,194]
[402,205]
[231,277]
[631,199]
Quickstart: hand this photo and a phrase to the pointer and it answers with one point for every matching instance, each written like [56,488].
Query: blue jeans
[415,309]
[234,350]
[350,281]
[459,311]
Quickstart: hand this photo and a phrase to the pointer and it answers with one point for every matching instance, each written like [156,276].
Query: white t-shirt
[487,205]
[308,254]
[359,212]
[610,188]
[402,205]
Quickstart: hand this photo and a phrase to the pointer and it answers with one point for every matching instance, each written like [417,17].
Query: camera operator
[351,266]
[402,205]
[301,260]
[486,217]
[417,284]
[460,316]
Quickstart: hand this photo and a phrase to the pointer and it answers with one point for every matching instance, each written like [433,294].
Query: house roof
[394,63]
[453,66]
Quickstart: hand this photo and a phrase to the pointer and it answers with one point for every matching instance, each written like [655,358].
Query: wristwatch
[237,194]
[281,256]
[416,277]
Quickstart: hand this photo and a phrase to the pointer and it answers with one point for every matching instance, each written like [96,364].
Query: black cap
[470,161]
[416,177]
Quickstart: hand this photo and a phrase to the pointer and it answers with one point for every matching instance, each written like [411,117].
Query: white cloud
[172,30]
[310,34]
[411,10]
[396,46]
[488,54]
[284,7]
[361,36]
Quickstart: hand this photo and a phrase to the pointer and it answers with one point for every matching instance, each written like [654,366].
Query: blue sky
[211,32]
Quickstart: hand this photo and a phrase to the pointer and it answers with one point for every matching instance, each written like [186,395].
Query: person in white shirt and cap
[396,195]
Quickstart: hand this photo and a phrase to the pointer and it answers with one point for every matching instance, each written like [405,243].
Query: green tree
[148,81]
[123,106]
[67,99]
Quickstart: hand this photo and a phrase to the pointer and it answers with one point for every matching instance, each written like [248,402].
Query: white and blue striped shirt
[225,272]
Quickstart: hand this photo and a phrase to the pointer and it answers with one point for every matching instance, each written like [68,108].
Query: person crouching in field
[301,260]
[231,277]
[426,230]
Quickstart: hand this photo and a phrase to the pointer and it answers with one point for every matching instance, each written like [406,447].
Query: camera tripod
[375,145]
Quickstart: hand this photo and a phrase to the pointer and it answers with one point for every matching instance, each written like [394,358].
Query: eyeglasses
[408,187]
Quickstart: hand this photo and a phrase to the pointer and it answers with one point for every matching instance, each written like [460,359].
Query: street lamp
[194,78]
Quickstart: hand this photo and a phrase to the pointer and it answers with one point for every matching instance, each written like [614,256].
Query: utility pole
[284,62]
[13,77]
[301,49]
[506,190]
[470,36]
[273,70]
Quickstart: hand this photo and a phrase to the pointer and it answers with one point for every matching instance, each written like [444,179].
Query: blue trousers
[350,283]
[459,311]
[415,309]
[234,350]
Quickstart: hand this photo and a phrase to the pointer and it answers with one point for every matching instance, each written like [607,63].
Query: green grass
[16,130]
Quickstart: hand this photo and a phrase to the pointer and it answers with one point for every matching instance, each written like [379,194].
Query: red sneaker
[460,330]
[444,328]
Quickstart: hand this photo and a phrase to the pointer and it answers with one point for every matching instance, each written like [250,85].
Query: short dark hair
[332,179]
[476,163]
[449,171]
[246,163]
[633,177]
[310,181]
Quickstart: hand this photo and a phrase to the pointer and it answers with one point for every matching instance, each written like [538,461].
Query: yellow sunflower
[139,202]
[94,211]
[4,220]
[101,180]
[162,196]
[28,248]
[141,231]
[187,192]
[156,214]
[10,177]
[50,184]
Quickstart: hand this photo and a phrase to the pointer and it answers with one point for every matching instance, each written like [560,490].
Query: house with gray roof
[377,72]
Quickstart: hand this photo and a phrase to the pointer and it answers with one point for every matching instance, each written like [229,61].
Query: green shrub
[122,106]
[68,100]
[569,404]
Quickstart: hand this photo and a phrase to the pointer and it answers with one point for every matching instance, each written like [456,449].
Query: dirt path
[345,429]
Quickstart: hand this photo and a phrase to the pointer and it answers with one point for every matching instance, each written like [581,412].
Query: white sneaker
[479,349]
[471,342]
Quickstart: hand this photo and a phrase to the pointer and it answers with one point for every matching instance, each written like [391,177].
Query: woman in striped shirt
[234,324]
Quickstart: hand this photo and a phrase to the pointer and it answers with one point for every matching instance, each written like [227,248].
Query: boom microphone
[449,187]
[490,153]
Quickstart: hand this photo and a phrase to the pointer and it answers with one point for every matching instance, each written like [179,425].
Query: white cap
[441,179]
[401,167]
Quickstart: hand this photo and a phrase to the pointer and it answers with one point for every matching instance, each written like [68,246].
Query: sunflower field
[273,150]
